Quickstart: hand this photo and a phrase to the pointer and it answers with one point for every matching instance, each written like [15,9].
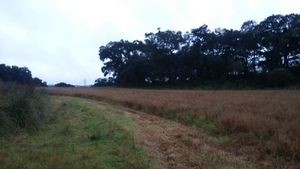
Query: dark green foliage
[258,55]
[101,82]
[62,84]
[38,82]
[21,107]
[280,77]
[20,75]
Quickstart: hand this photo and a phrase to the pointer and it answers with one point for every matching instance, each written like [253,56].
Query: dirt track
[178,146]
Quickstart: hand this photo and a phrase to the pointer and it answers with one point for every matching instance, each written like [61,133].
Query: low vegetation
[21,107]
[78,134]
[262,123]
[22,104]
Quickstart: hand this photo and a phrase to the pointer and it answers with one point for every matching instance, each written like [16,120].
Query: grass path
[79,134]
[181,147]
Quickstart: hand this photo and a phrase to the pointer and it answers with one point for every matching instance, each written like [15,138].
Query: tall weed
[21,107]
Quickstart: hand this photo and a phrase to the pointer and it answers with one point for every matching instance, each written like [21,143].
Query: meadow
[259,122]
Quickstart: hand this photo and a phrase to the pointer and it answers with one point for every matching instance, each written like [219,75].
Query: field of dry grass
[265,123]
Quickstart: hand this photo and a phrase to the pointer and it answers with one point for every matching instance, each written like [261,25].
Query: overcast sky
[58,40]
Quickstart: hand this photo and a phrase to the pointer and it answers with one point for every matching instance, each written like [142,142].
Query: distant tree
[248,48]
[163,53]
[62,84]
[278,38]
[101,82]
[124,60]
[38,82]
[254,54]
[5,73]
[20,75]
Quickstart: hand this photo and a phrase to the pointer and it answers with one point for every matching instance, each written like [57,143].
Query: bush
[21,107]
[280,78]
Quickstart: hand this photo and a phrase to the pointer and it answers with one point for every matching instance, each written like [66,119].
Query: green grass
[79,134]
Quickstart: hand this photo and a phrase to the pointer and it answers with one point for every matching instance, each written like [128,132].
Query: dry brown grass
[267,121]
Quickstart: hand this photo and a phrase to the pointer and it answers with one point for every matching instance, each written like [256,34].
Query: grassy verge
[79,134]
[21,108]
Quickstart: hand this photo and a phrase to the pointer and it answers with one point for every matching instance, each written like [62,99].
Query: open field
[84,133]
[79,134]
[262,123]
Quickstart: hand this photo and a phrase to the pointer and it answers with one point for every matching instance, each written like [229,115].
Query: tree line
[19,75]
[265,54]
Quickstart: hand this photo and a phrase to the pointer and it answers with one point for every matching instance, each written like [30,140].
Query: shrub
[280,78]
[21,107]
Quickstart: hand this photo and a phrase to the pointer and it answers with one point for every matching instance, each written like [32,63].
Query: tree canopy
[63,84]
[254,55]
[20,75]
